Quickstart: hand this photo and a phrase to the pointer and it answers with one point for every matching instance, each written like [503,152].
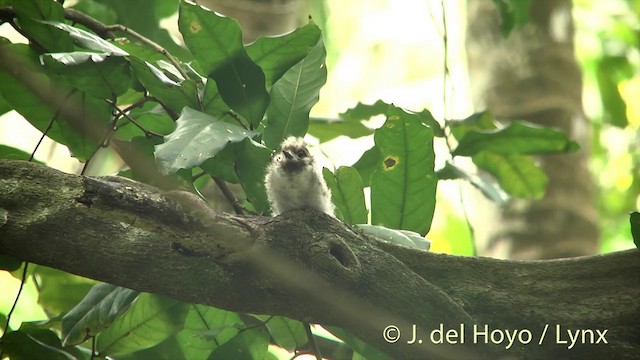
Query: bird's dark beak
[287,154]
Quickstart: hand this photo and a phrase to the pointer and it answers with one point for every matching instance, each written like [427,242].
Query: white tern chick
[294,180]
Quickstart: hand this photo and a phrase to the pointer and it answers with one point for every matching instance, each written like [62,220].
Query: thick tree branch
[310,267]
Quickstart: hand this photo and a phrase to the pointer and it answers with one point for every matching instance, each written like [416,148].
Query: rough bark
[311,267]
[532,75]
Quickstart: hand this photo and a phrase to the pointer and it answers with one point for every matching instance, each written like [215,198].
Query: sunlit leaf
[247,345]
[516,138]
[364,111]
[97,311]
[197,137]
[150,320]
[611,70]
[328,129]
[292,97]
[403,186]
[347,194]
[518,175]
[287,333]
[205,329]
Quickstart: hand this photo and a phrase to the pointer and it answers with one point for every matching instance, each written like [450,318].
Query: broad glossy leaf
[293,96]
[329,129]
[216,43]
[29,104]
[205,329]
[59,291]
[173,95]
[516,138]
[251,163]
[87,40]
[518,175]
[289,334]
[197,137]
[35,343]
[223,165]
[403,186]
[97,311]
[275,55]
[150,320]
[347,194]
[488,187]
[98,75]
[252,344]
[31,16]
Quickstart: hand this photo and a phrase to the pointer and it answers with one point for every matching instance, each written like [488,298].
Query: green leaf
[7,262]
[87,40]
[30,105]
[275,55]
[173,95]
[223,165]
[287,333]
[634,219]
[11,153]
[293,96]
[59,291]
[150,320]
[359,346]
[611,70]
[216,43]
[35,343]
[247,345]
[328,129]
[98,75]
[367,164]
[516,138]
[251,163]
[97,311]
[518,175]
[513,13]
[403,187]
[205,329]
[151,116]
[399,237]
[364,112]
[347,194]
[197,138]
[31,17]
[488,187]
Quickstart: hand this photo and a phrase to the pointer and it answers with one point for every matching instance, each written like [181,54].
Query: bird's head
[294,155]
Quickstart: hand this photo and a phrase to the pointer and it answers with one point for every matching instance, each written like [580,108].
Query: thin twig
[312,341]
[237,207]
[150,43]
[15,301]
[147,133]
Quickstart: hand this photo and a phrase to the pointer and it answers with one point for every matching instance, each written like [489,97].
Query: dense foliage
[214,110]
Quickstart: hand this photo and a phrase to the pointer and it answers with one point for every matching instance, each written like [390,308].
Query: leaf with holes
[293,96]
[403,186]
[197,137]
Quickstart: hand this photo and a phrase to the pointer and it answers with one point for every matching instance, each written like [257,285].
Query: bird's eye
[301,153]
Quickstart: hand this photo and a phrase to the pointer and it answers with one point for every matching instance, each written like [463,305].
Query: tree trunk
[532,75]
[309,266]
